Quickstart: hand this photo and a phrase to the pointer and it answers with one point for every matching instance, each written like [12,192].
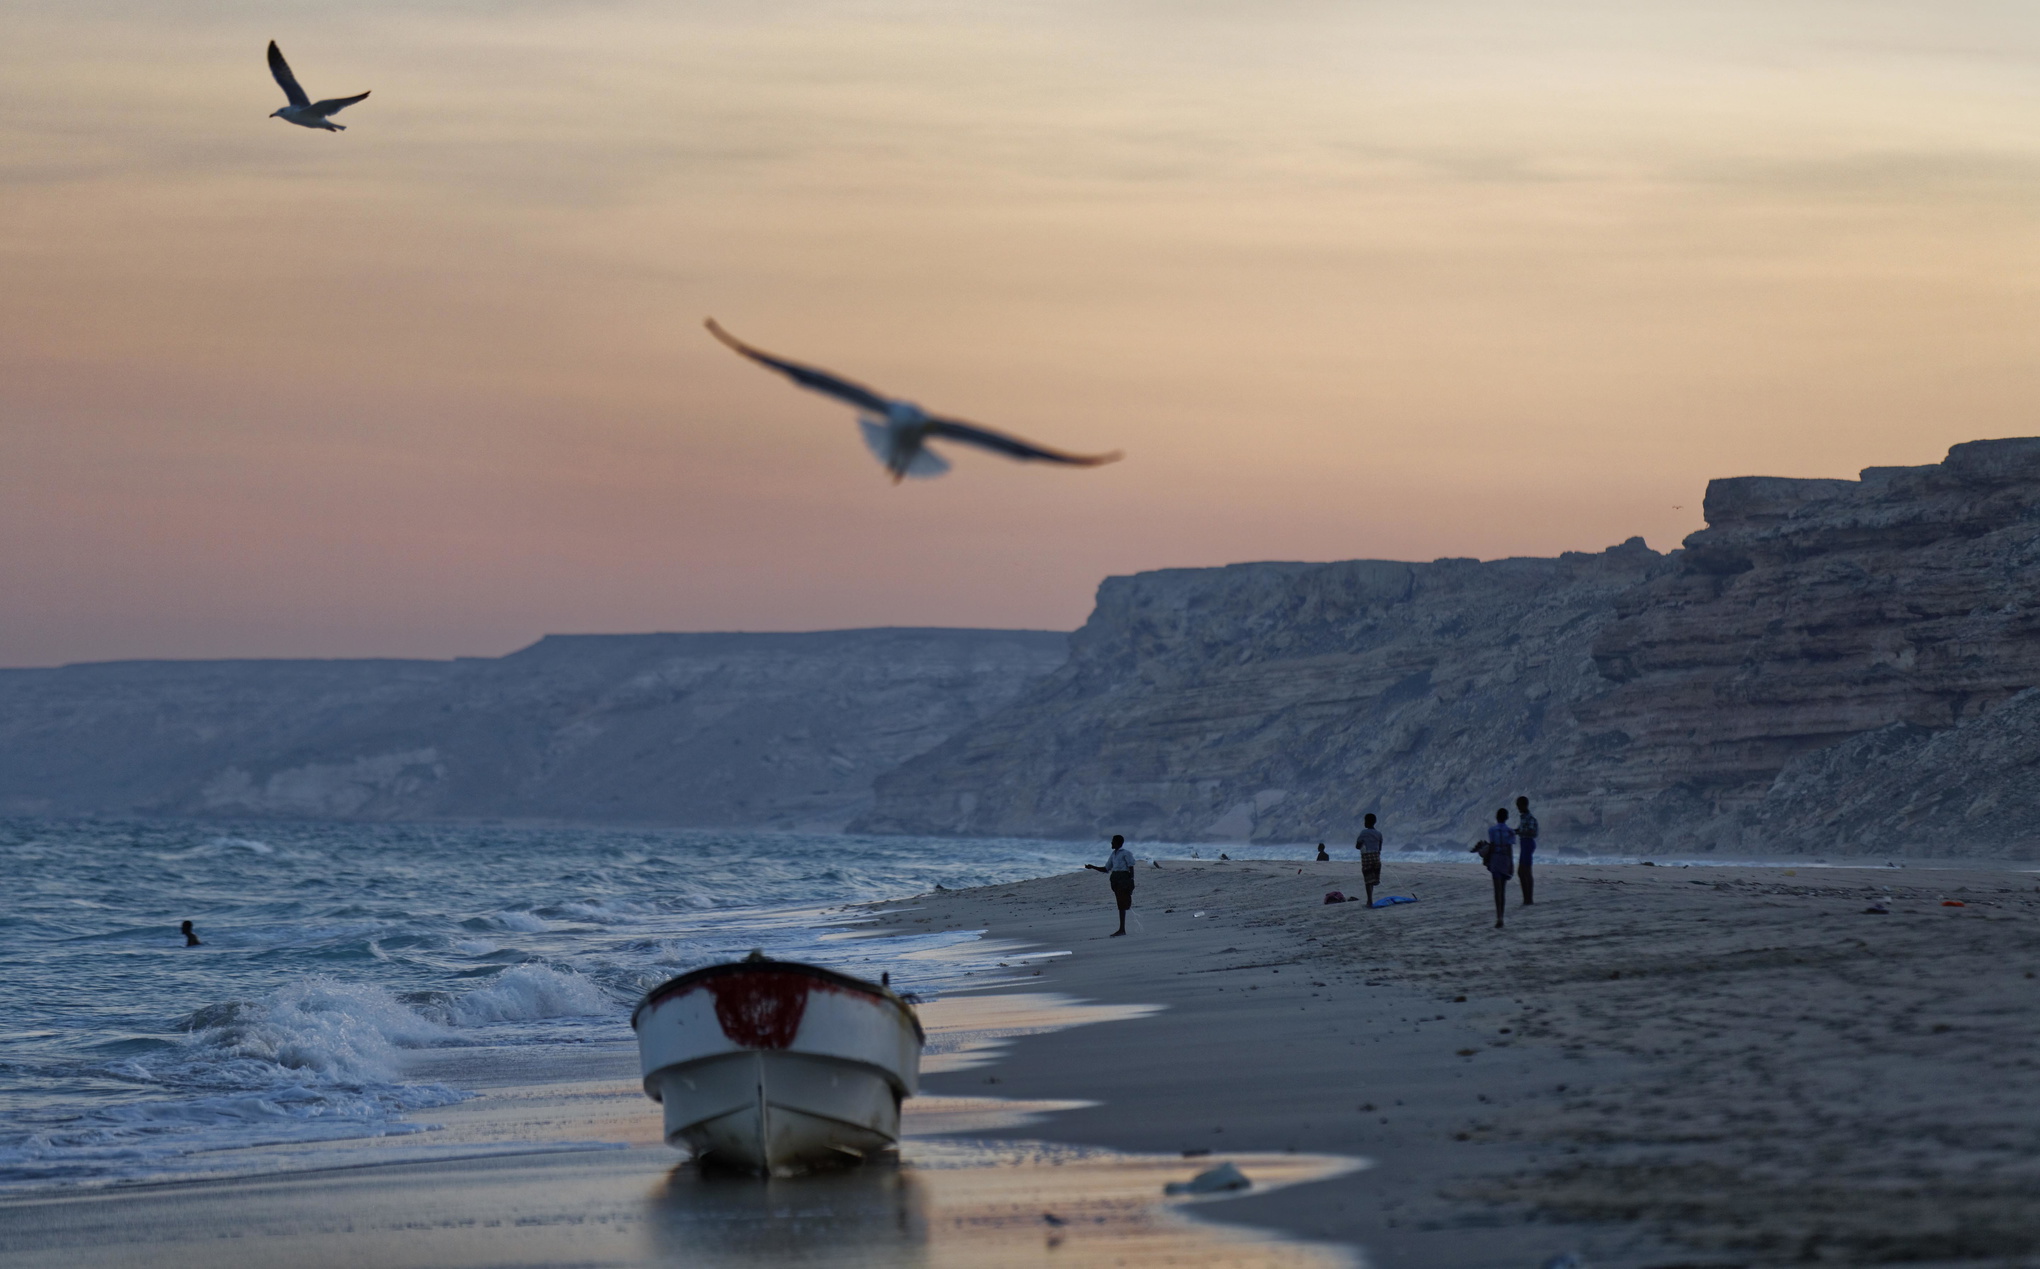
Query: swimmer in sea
[191,936]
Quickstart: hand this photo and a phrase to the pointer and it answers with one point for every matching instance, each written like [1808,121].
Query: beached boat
[773,1066]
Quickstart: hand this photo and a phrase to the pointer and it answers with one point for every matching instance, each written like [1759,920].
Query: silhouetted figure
[1526,846]
[190,936]
[1498,853]
[1369,846]
[1118,870]
[1322,856]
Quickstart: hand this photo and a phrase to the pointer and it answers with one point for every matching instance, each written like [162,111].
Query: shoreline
[1655,1066]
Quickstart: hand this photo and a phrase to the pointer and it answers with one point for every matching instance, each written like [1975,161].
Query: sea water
[335,955]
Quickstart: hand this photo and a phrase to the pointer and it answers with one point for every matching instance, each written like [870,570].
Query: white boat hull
[773,1067]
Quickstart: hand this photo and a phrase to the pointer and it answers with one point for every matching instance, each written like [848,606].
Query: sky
[1373,279]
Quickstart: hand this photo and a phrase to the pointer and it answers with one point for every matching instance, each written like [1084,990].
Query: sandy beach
[1654,1066]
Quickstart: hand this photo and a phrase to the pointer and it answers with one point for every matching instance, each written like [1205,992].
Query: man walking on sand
[1369,846]
[1118,870]
[1526,838]
[1498,852]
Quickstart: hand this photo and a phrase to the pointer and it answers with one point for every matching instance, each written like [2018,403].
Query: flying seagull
[302,110]
[898,431]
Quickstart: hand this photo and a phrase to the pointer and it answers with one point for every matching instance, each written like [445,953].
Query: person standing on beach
[1118,870]
[1526,837]
[1498,853]
[1369,846]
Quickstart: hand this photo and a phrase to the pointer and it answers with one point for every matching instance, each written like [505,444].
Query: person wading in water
[1118,870]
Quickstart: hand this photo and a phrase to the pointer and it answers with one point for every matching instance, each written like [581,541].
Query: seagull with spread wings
[302,110]
[898,431]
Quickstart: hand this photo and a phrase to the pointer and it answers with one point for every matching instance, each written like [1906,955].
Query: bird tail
[878,438]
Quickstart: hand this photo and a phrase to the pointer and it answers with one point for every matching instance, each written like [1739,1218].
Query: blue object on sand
[1390,900]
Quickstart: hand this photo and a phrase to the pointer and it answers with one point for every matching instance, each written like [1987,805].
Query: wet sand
[1652,1066]
[567,1168]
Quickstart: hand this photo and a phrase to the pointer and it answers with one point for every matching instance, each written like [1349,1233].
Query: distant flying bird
[302,110]
[898,431]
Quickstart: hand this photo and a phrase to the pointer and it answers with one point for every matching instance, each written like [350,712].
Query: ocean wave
[525,993]
[319,1027]
[522,922]
[342,953]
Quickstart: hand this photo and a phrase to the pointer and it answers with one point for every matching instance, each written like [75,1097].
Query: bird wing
[807,376]
[1013,446]
[333,105]
[281,69]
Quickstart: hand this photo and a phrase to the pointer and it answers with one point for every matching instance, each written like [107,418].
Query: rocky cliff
[782,730]
[1824,648]
[1830,666]
[1282,701]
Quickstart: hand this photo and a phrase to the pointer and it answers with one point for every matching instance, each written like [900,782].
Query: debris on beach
[1565,1260]
[1390,900]
[1217,1180]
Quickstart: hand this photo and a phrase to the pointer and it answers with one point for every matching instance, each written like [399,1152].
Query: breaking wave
[338,959]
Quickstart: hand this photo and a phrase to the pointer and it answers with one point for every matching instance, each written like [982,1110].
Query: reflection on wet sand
[976,1203]
[967,1030]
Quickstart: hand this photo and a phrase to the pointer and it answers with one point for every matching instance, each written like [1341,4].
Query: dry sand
[1653,1065]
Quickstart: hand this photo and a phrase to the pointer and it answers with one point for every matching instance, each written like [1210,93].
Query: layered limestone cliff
[1831,666]
[1282,701]
[783,730]
[1819,636]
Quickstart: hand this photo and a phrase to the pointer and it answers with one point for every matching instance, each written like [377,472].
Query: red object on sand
[1953,903]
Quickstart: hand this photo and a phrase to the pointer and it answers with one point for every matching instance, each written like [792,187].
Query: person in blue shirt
[1498,853]
[1526,839]
[1118,870]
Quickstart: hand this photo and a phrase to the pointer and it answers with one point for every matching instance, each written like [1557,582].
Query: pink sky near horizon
[1393,280]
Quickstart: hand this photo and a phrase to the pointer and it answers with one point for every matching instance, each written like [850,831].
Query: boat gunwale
[680,984]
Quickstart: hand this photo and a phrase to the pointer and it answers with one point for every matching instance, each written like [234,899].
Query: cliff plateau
[724,730]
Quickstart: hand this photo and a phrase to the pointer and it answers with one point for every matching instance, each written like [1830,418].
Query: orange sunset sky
[1382,279]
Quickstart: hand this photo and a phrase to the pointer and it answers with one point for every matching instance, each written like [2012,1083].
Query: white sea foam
[320,1028]
[527,992]
[382,939]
